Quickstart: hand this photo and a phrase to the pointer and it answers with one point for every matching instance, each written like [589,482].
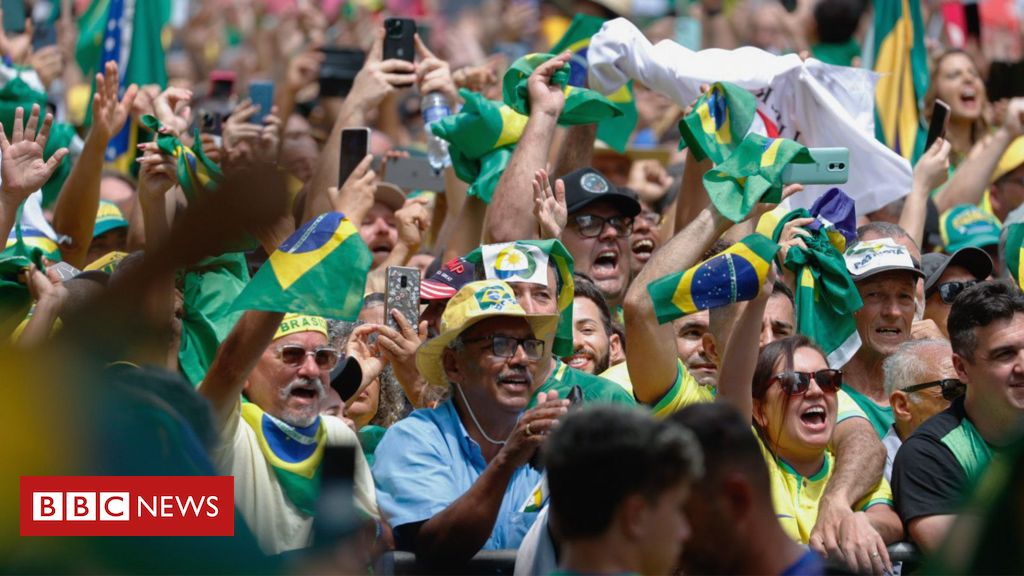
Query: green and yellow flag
[481,138]
[196,172]
[209,288]
[735,275]
[1012,251]
[15,299]
[901,59]
[320,270]
[582,105]
[614,131]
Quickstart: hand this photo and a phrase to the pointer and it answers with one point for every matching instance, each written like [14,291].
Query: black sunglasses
[951,388]
[948,291]
[506,346]
[795,383]
[591,226]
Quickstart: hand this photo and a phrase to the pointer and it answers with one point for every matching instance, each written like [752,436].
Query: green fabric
[582,105]
[1012,249]
[18,94]
[481,138]
[595,389]
[369,437]
[891,25]
[196,172]
[15,299]
[825,297]
[719,121]
[614,131]
[837,54]
[209,289]
[61,135]
[301,491]
[881,417]
[91,26]
[563,345]
[969,449]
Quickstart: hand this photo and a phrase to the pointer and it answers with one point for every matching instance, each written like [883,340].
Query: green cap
[108,217]
[967,225]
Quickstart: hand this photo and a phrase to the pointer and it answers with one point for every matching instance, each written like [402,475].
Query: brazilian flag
[319,270]
[481,138]
[734,275]
[15,299]
[719,122]
[196,172]
[1012,250]
[902,62]
[615,131]
[582,105]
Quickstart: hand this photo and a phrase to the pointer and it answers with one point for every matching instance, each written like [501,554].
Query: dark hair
[977,307]
[720,245]
[837,20]
[726,442]
[602,454]
[884,229]
[769,357]
[780,289]
[584,287]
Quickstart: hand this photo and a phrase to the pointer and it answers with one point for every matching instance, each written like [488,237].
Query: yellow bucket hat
[1013,157]
[474,302]
[293,323]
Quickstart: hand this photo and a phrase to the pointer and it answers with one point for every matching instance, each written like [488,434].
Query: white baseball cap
[869,257]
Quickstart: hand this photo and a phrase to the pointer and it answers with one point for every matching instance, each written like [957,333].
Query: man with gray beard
[273,445]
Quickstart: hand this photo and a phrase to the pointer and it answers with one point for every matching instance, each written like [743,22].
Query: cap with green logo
[967,225]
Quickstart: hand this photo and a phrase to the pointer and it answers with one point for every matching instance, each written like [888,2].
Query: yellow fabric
[795,498]
[847,407]
[1013,157]
[108,262]
[684,391]
[293,323]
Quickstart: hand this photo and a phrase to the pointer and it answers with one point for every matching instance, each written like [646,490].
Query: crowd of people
[634,352]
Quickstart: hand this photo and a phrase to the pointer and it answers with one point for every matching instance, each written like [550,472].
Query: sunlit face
[690,330]
[380,232]
[537,298]
[925,403]
[778,321]
[590,338]
[605,258]
[292,394]
[995,378]
[644,240]
[958,83]
[885,320]
[799,426]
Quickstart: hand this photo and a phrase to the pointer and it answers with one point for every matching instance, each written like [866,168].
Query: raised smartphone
[14,16]
[830,166]
[413,173]
[938,123]
[261,92]
[355,142]
[402,293]
[398,39]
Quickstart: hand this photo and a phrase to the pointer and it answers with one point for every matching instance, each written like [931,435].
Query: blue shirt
[427,461]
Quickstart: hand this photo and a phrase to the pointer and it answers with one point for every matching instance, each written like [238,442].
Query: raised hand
[18,47]
[533,427]
[649,179]
[356,196]
[545,97]
[237,128]
[379,78]
[476,78]
[46,288]
[22,168]
[932,169]
[108,113]
[413,220]
[172,110]
[158,172]
[48,62]
[549,206]
[434,74]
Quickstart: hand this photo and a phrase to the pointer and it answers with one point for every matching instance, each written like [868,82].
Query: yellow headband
[293,323]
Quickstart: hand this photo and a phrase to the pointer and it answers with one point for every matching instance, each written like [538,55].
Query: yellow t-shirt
[847,407]
[795,498]
[684,391]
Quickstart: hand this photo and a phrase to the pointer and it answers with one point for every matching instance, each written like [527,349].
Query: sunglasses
[951,388]
[506,346]
[795,383]
[294,355]
[590,226]
[948,291]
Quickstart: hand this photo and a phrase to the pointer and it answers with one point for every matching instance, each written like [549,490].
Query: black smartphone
[338,70]
[973,20]
[1005,80]
[14,16]
[413,173]
[261,92]
[355,142]
[222,84]
[402,293]
[336,512]
[398,39]
[939,121]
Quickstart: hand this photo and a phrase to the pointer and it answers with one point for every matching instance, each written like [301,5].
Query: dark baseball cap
[586,186]
[444,283]
[934,264]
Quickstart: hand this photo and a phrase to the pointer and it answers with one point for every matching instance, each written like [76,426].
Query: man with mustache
[596,346]
[273,444]
[452,480]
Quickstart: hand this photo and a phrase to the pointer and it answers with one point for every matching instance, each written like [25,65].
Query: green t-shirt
[595,388]
[881,417]
[838,54]
[369,437]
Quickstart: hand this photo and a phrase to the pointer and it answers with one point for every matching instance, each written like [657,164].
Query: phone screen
[355,142]
[937,126]
[972,20]
[261,92]
[14,16]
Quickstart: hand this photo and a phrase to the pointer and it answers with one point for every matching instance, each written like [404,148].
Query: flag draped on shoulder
[320,269]
[735,275]
[825,295]
[196,172]
[481,138]
[902,61]
[614,131]
[15,299]
[582,105]
[748,166]
[1012,250]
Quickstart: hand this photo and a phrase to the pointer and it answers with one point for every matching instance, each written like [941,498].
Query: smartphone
[261,92]
[43,34]
[414,173]
[336,512]
[575,396]
[338,70]
[972,19]
[1005,80]
[829,166]
[355,142]
[211,122]
[939,121]
[222,84]
[402,293]
[14,16]
[398,39]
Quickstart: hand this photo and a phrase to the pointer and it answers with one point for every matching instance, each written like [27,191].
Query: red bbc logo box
[127,506]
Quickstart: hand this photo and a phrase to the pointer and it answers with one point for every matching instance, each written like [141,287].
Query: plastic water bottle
[435,107]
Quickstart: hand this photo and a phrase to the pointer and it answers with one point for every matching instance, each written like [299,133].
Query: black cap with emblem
[586,186]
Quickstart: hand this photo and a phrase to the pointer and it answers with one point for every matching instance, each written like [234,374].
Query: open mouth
[814,417]
[643,249]
[969,97]
[606,264]
[707,367]
[304,394]
[383,248]
[516,383]
[888,332]
[579,360]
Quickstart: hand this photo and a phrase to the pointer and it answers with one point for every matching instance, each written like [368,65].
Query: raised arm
[508,217]
[931,171]
[739,361]
[79,199]
[22,170]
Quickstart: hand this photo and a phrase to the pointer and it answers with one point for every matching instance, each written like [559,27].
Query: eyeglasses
[795,383]
[506,346]
[951,388]
[590,226]
[294,355]
[651,218]
[948,291]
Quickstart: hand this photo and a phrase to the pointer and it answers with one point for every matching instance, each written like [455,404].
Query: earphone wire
[476,422]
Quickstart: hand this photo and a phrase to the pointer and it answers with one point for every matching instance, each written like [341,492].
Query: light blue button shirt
[427,461]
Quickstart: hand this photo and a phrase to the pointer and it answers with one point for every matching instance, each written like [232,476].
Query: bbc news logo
[127,506]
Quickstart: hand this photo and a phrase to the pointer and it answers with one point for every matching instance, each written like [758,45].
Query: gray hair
[910,362]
